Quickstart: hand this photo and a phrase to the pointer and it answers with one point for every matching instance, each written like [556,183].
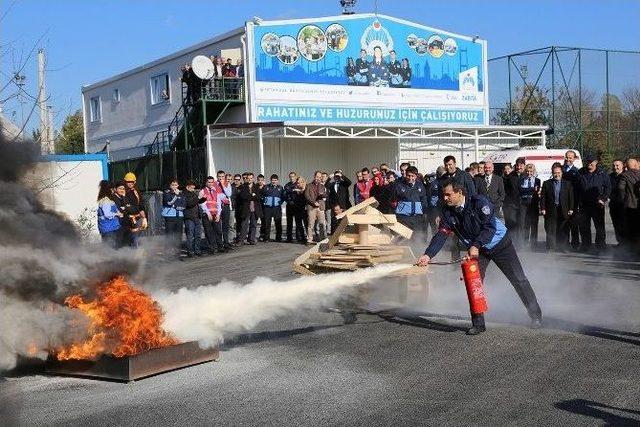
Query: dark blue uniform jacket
[475,224]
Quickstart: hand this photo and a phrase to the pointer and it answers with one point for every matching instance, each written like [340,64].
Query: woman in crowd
[173,205]
[382,192]
[108,216]
[300,203]
[192,221]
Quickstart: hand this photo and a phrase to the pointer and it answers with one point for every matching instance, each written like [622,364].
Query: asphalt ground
[412,366]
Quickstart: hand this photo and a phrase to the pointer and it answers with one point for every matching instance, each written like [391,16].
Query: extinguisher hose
[446,262]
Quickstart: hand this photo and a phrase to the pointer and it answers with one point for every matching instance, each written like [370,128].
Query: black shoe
[251,243]
[223,250]
[536,323]
[289,240]
[189,255]
[476,330]
[198,254]
[212,251]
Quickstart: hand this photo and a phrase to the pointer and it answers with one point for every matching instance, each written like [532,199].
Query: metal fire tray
[130,368]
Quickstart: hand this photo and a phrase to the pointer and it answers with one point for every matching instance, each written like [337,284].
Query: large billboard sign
[365,69]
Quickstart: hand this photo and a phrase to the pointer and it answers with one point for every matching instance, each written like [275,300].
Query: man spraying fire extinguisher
[473,220]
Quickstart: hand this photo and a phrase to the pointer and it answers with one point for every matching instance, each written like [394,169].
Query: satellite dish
[202,67]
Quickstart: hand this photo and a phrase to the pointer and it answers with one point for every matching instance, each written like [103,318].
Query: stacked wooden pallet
[354,256]
[364,237]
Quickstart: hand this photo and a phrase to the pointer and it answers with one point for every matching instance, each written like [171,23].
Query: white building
[308,111]
[127,110]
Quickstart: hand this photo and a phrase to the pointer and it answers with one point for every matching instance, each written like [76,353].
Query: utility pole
[50,137]
[45,142]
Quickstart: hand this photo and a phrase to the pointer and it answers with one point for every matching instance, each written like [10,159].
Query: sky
[89,40]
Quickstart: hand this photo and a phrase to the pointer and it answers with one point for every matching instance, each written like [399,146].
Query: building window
[116,95]
[160,89]
[95,109]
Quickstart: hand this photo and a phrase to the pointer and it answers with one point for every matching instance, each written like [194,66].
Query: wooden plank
[305,256]
[333,240]
[363,233]
[397,228]
[303,270]
[387,258]
[400,229]
[371,201]
[382,239]
[372,219]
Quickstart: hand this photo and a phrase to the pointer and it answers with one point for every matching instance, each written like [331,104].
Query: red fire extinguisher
[473,284]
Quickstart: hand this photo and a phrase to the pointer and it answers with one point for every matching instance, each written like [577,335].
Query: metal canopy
[409,138]
[288,130]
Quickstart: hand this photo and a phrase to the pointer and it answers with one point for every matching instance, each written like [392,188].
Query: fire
[123,321]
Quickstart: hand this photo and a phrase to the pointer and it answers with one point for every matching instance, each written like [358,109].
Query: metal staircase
[188,128]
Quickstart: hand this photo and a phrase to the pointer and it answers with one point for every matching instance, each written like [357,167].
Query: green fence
[154,172]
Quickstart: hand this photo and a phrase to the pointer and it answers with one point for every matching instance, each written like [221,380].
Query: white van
[543,158]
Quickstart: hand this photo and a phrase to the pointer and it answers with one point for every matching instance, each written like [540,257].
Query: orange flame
[123,321]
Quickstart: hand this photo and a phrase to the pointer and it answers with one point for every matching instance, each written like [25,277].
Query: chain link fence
[589,98]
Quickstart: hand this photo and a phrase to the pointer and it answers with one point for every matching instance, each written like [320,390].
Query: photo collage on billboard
[372,53]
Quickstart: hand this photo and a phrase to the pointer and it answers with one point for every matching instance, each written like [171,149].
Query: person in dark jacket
[629,188]
[383,193]
[571,173]
[137,209]
[473,220]
[192,220]
[511,206]
[412,199]
[300,204]
[595,190]
[434,200]
[338,195]
[492,186]
[616,205]
[453,172]
[124,207]
[236,203]
[556,205]
[273,196]
[251,200]
[225,194]
[173,204]
[529,188]
[289,198]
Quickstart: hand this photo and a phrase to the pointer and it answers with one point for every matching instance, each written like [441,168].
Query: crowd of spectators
[234,210]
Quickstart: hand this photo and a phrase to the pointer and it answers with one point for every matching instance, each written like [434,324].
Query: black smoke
[42,255]
[43,259]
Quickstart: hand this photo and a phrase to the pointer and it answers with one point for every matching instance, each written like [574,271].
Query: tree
[70,140]
[529,107]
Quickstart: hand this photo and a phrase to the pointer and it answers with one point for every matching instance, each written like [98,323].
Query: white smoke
[209,314]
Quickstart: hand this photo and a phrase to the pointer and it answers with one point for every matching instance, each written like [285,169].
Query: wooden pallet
[364,238]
